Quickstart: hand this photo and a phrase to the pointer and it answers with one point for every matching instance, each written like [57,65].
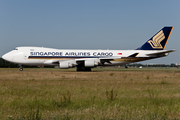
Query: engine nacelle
[89,63]
[64,65]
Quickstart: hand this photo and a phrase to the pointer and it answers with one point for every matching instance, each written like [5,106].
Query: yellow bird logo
[156,40]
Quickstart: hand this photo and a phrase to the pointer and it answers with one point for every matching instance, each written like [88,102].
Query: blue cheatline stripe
[65,57]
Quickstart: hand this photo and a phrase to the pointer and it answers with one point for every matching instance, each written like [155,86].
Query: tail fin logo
[156,40]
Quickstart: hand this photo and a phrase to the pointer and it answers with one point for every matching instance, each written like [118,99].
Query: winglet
[158,41]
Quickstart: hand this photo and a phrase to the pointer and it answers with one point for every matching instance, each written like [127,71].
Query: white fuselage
[84,60]
[49,56]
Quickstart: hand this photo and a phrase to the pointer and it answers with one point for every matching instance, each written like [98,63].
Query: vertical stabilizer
[158,41]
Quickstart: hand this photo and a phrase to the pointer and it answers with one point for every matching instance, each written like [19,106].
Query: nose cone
[7,57]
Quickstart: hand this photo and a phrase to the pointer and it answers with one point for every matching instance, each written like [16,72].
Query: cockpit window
[15,48]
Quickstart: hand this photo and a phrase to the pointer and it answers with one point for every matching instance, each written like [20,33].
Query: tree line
[6,64]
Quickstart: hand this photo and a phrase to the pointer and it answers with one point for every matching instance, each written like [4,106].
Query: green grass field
[105,94]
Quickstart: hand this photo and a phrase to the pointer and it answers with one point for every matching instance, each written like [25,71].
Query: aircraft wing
[108,59]
[51,62]
[97,60]
[162,53]
[102,60]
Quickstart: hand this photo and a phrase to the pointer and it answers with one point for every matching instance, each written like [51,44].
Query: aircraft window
[31,49]
[15,49]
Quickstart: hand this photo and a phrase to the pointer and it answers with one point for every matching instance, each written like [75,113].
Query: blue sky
[83,24]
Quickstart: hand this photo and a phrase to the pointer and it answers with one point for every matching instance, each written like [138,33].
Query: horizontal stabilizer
[163,53]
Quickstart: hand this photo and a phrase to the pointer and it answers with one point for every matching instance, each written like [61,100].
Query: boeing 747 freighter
[84,60]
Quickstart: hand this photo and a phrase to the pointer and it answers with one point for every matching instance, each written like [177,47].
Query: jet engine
[64,65]
[90,63]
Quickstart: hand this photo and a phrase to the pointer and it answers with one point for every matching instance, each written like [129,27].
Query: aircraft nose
[7,57]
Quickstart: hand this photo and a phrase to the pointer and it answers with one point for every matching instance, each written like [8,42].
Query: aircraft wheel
[83,69]
[87,69]
[20,69]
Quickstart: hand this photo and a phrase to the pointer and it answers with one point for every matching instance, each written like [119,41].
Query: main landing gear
[20,68]
[83,69]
